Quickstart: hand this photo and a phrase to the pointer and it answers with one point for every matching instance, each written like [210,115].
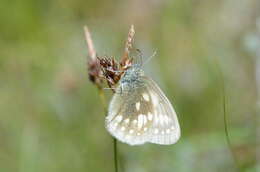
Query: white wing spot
[119,118]
[115,124]
[123,128]
[156,131]
[150,116]
[168,131]
[156,119]
[161,119]
[146,97]
[169,119]
[131,131]
[166,119]
[173,128]
[140,121]
[144,119]
[138,134]
[127,120]
[162,132]
[154,99]
[137,105]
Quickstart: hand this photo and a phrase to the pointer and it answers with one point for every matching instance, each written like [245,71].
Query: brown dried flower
[94,68]
[94,72]
[106,68]
[112,70]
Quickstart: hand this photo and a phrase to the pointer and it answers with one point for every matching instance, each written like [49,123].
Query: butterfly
[139,112]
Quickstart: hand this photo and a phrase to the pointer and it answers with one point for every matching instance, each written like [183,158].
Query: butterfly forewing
[143,114]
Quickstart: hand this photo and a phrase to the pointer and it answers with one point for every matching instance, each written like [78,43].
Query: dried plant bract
[106,68]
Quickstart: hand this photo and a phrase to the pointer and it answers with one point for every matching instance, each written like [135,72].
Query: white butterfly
[139,112]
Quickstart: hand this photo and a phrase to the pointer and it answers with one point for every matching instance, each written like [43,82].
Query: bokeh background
[51,118]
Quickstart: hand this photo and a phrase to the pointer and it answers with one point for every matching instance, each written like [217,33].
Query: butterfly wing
[127,119]
[165,129]
[142,115]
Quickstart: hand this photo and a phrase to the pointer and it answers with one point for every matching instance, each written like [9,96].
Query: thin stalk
[225,120]
[103,99]
[104,105]
[95,75]
[226,126]
[115,154]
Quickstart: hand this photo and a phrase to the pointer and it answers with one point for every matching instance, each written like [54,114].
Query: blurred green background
[51,118]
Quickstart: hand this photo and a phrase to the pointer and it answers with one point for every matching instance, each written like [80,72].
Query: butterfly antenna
[147,60]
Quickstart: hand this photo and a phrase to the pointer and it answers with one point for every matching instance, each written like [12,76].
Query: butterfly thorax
[131,79]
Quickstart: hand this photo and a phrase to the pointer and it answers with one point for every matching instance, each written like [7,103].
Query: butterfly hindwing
[143,115]
[165,128]
[127,119]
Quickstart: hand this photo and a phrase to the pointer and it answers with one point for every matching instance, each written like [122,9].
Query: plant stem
[103,99]
[115,154]
[103,102]
[93,55]
[223,89]
[226,127]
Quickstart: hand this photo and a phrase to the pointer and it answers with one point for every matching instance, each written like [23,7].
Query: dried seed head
[91,49]
[94,68]
[111,70]
[94,72]
[105,68]
[128,46]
